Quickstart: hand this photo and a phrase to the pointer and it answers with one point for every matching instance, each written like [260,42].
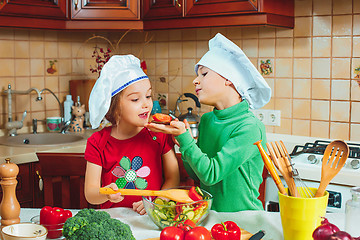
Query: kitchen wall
[313,76]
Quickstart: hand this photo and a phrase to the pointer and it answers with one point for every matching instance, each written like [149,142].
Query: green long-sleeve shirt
[224,158]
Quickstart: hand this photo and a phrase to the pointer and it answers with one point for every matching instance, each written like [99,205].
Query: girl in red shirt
[126,155]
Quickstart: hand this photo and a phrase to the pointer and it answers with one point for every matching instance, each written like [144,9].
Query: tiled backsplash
[313,76]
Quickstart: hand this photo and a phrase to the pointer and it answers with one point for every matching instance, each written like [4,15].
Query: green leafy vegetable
[90,224]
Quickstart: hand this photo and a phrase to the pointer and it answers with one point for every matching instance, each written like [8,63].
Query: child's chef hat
[117,74]
[228,60]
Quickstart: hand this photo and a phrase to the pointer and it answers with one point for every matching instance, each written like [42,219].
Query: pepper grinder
[10,207]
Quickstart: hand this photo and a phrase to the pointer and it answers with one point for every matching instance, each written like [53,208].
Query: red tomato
[161,118]
[172,233]
[186,225]
[198,233]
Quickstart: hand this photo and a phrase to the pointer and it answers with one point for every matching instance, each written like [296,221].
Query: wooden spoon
[332,164]
[177,195]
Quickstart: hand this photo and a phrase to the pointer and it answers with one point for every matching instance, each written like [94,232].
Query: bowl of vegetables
[164,212]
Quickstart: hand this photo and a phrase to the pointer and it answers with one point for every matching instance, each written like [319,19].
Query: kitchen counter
[26,154]
[21,155]
[251,221]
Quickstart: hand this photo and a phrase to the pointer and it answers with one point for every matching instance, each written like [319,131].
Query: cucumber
[166,223]
[160,214]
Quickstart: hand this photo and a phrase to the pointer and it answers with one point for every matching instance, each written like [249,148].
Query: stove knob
[312,159]
[355,163]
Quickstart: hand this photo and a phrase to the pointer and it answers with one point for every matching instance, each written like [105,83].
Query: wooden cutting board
[83,89]
[245,235]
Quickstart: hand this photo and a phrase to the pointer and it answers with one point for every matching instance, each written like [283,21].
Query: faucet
[11,125]
[64,125]
[35,122]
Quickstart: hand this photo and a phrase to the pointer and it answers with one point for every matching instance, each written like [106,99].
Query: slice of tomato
[161,118]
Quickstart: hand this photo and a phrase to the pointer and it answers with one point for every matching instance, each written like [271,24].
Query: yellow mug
[300,216]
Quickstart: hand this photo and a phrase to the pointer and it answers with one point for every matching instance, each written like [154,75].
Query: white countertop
[251,221]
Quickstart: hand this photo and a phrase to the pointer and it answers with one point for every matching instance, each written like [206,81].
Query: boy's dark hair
[113,114]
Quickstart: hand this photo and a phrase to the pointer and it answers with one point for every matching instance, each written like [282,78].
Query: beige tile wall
[313,79]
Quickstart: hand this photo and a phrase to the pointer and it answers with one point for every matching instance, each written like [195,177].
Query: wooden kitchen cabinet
[220,13]
[38,193]
[71,14]
[157,9]
[28,192]
[144,14]
[50,14]
[54,9]
[105,9]
[222,7]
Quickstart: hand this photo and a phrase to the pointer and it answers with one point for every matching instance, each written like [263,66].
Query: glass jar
[352,213]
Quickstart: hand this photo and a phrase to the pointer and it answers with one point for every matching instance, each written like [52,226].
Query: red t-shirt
[133,163]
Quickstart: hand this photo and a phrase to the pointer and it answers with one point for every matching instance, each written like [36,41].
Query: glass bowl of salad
[164,212]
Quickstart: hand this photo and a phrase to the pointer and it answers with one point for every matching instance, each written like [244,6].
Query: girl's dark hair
[113,114]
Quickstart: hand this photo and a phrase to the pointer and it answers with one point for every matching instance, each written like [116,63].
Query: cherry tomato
[198,233]
[186,225]
[161,118]
[172,233]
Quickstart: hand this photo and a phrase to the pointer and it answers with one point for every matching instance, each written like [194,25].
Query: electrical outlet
[273,117]
[262,115]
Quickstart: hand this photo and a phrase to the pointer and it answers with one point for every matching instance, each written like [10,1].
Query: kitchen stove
[307,159]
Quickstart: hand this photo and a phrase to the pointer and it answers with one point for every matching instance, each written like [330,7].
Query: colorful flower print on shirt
[131,173]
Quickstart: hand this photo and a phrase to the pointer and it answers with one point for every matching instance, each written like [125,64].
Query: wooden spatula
[334,159]
[177,195]
[283,164]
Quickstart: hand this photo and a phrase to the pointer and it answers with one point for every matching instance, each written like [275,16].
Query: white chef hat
[118,73]
[228,60]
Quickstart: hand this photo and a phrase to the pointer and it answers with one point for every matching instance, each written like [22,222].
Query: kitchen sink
[41,139]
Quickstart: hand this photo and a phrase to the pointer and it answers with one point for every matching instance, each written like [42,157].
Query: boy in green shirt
[224,158]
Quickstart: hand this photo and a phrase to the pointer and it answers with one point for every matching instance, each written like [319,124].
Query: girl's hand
[139,207]
[175,128]
[117,197]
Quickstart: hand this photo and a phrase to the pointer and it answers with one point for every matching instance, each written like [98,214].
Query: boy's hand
[175,128]
[117,197]
[139,207]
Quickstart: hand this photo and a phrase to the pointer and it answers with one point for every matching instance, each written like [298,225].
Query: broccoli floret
[86,212]
[119,228]
[72,225]
[99,216]
[90,231]
[96,225]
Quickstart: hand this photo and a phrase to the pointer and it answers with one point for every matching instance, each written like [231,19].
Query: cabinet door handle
[76,2]
[41,182]
[177,3]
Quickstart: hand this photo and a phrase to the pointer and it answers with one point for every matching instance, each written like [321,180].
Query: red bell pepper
[194,195]
[53,218]
[226,231]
